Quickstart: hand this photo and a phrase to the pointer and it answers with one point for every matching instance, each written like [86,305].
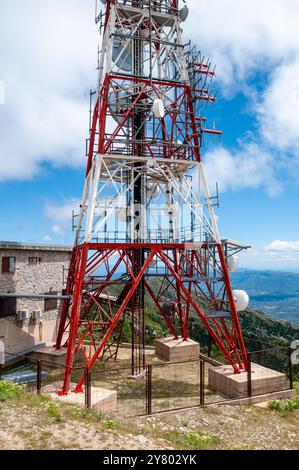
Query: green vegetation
[108,424]
[10,391]
[192,440]
[53,411]
[286,405]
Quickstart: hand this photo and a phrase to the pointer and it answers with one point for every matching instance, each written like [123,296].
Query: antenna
[146,206]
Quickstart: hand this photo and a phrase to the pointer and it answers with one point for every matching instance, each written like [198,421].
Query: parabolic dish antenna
[119,102]
[122,54]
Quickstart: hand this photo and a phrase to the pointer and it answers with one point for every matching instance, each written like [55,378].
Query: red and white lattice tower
[146,210]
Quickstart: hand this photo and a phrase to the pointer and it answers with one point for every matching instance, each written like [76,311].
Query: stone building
[31,269]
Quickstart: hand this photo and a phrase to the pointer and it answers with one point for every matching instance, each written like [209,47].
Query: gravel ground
[25,428]
[253,427]
[29,427]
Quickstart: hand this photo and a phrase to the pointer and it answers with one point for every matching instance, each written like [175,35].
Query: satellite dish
[184,13]
[241,299]
[119,102]
[233,263]
[159,109]
[122,54]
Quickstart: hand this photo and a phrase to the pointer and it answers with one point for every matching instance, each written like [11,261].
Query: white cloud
[282,246]
[47,57]
[243,36]
[61,215]
[276,256]
[278,110]
[249,167]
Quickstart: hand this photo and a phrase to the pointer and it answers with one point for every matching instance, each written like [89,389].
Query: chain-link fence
[160,387]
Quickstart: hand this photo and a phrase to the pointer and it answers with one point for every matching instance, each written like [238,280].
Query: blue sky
[44,84]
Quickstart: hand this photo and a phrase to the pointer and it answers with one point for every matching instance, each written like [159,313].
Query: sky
[48,56]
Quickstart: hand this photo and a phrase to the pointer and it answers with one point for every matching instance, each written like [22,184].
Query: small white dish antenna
[184,13]
[233,264]
[159,109]
[241,299]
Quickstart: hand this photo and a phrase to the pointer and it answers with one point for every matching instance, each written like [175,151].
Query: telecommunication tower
[146,211]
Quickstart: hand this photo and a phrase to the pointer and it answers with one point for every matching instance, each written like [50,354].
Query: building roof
[33,247]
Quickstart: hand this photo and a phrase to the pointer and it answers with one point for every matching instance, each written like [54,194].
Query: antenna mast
[147,231]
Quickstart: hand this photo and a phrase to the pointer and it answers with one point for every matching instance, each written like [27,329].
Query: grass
[53,410]
[284,405]
[239,447]
[108,424]
[192,440]
[10,391]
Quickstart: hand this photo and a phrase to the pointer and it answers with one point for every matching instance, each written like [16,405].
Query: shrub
[53,410]
[108,424]
[9,391]
[287,405]
[199,441]
[192,440]
[274,405]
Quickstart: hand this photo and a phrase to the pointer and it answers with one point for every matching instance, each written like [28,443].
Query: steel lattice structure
[146,210]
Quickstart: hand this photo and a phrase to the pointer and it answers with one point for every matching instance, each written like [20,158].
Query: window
[8,307]
[50,304]
[8,265]
[34,260]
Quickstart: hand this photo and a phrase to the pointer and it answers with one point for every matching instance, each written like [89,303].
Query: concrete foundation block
[102,399]
[223,381]
[52,358]
[171,350]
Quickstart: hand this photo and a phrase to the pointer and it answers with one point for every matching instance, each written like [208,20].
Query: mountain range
[272,292]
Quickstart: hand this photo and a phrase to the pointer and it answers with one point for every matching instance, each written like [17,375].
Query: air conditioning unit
[37,315]
[23,315]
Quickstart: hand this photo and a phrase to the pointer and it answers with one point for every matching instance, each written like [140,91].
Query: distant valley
[273,293]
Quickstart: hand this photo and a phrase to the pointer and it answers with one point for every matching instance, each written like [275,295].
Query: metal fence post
[249,376]
[209,346]
[149,377]
[39,377]
[259,343]
[87,388]
[202,383]
[290,352]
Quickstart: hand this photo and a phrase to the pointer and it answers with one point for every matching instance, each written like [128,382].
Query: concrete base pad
[51,357]
[223,381]
[171,350]
[101,399]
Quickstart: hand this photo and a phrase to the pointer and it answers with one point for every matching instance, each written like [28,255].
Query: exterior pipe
[34,296]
